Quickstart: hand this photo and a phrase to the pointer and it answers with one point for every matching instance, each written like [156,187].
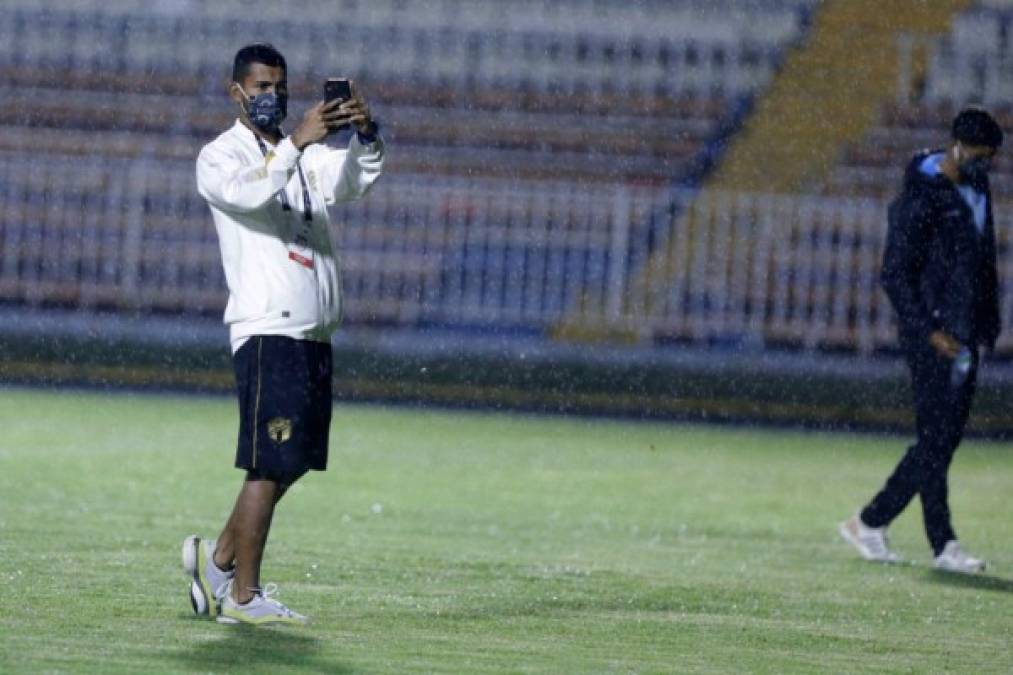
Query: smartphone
[337,89]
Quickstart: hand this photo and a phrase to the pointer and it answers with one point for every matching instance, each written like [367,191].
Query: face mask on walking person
[972,169]
[266,110]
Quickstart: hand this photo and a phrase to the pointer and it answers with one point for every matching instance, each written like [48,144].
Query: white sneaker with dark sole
[954,559]
[207,582]
[870,542]
[261,609]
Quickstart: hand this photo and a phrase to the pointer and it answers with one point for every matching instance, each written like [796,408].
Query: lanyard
[307,213]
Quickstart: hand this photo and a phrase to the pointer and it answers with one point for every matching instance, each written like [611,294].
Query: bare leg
[225,553]
[244,537]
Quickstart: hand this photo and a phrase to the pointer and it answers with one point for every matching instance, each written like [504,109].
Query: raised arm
[348,174]
[229,184]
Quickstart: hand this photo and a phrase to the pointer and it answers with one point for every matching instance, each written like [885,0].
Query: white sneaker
[207,582]
[953,559]
[261,609]
[870,541]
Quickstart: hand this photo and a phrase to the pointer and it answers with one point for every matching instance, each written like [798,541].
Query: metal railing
[762,269]
[132,234]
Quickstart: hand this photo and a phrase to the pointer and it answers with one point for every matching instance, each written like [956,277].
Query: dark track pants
[941,412]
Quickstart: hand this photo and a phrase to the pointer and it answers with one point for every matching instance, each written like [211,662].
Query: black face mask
[975,171]
[266,111]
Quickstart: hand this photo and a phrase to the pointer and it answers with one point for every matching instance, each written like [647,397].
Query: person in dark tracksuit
[939,271]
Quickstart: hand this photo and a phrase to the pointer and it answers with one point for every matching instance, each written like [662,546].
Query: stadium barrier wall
[755,387]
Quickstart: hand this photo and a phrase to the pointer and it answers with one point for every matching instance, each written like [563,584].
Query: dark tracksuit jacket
[940,273]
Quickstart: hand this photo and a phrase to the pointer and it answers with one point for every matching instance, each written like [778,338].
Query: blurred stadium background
[660,207]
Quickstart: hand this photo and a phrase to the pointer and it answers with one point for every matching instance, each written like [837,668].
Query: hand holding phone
[337,89]
[343,106]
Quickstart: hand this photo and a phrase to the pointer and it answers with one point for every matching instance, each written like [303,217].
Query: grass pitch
[473,543]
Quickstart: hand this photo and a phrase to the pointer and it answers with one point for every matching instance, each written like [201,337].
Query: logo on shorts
[279,429]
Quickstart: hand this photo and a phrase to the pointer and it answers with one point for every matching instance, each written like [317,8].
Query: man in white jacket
[268,194]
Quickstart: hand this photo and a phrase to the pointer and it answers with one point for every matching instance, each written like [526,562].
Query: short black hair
[258,52]
[975,126]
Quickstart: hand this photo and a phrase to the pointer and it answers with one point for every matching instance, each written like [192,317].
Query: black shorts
[284,406]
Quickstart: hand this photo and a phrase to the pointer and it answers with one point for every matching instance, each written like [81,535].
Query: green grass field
[473,543]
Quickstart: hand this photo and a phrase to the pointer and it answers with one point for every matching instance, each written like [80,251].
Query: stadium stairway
[829,92]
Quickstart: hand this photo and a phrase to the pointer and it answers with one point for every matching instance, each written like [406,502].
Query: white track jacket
[282,271]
